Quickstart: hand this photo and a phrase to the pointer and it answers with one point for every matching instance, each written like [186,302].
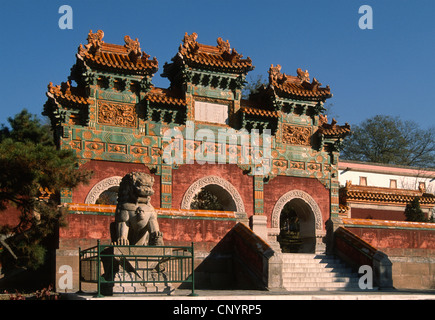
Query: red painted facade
[106,169]
[385,238]
[280,185]
[185,175]
[373,213]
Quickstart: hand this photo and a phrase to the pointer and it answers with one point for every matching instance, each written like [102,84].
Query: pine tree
[33,173]
[205,200]
[413,211]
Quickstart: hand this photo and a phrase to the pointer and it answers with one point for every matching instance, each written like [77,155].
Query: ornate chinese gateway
[272,153]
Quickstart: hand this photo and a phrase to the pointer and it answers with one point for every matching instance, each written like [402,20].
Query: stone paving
[253,295]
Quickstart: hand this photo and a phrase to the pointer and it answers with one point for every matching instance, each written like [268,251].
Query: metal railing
[133,269]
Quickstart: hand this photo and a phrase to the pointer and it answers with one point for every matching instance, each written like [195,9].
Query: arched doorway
[297,228]
[226,193]
[213,197]
[104,191]
[299,220]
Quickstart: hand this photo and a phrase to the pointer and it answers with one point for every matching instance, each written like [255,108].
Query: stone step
[322,276]
[312,269]
[321,285]
[297,278]
[313,258]
[298,289]
[314,272]
[326,264]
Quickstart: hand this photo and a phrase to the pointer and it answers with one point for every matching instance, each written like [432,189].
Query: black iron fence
[136,269]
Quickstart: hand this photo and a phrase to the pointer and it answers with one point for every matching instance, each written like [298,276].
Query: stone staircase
[317,272]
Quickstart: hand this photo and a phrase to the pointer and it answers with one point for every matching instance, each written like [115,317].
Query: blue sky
[387,70]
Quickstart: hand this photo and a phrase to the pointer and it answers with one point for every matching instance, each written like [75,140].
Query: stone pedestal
[134,287]
[259,226]
[138,268]
[320,242]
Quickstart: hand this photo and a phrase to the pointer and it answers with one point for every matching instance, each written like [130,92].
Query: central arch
[305,210]
[226,192]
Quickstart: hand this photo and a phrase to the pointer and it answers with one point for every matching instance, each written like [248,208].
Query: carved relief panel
[296,135]
[117,114]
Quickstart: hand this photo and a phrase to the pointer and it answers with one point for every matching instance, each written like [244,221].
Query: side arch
[100,187]
[217,184]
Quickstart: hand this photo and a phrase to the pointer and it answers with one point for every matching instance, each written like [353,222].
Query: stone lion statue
[135,218]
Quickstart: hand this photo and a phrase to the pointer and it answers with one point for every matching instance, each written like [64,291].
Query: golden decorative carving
[296,135]
[117,114]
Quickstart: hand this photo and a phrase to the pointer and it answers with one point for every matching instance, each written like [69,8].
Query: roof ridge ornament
[275,75]
[223,46]
[303,75]
[133,48]
[189,41]
[95,40]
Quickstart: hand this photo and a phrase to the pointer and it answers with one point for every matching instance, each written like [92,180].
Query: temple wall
[89,223]
[378,214]
[185,175]
[106,169]
[280,185]
[409,245]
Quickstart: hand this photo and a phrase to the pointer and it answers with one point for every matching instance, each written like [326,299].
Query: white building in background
[381,192]
[386,176]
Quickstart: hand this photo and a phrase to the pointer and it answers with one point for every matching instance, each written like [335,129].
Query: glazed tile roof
[220,56]
[127,58]
[299,86]
[165,96]
[332,129]
[66,94]
[388,224]
[260,112]
[251,108]
[365,194]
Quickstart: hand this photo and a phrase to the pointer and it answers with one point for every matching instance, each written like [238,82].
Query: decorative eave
[206,56]
[332,129]
[251,109]
[165,96]
[194,55]
[297,87]
[378,195]
[64,94]
[126,59]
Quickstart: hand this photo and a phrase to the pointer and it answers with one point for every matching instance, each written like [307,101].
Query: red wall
[187,174]
[280,185]
[359,213]
[381,238]
[84,230]
[107,169]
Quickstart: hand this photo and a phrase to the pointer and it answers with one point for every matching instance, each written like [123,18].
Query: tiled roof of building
[67,94]
[260,112]
[299,86]
[252,108]
[165,96]
[220,56]
[357,193]
[127,58]
[332,129]
[351,222]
